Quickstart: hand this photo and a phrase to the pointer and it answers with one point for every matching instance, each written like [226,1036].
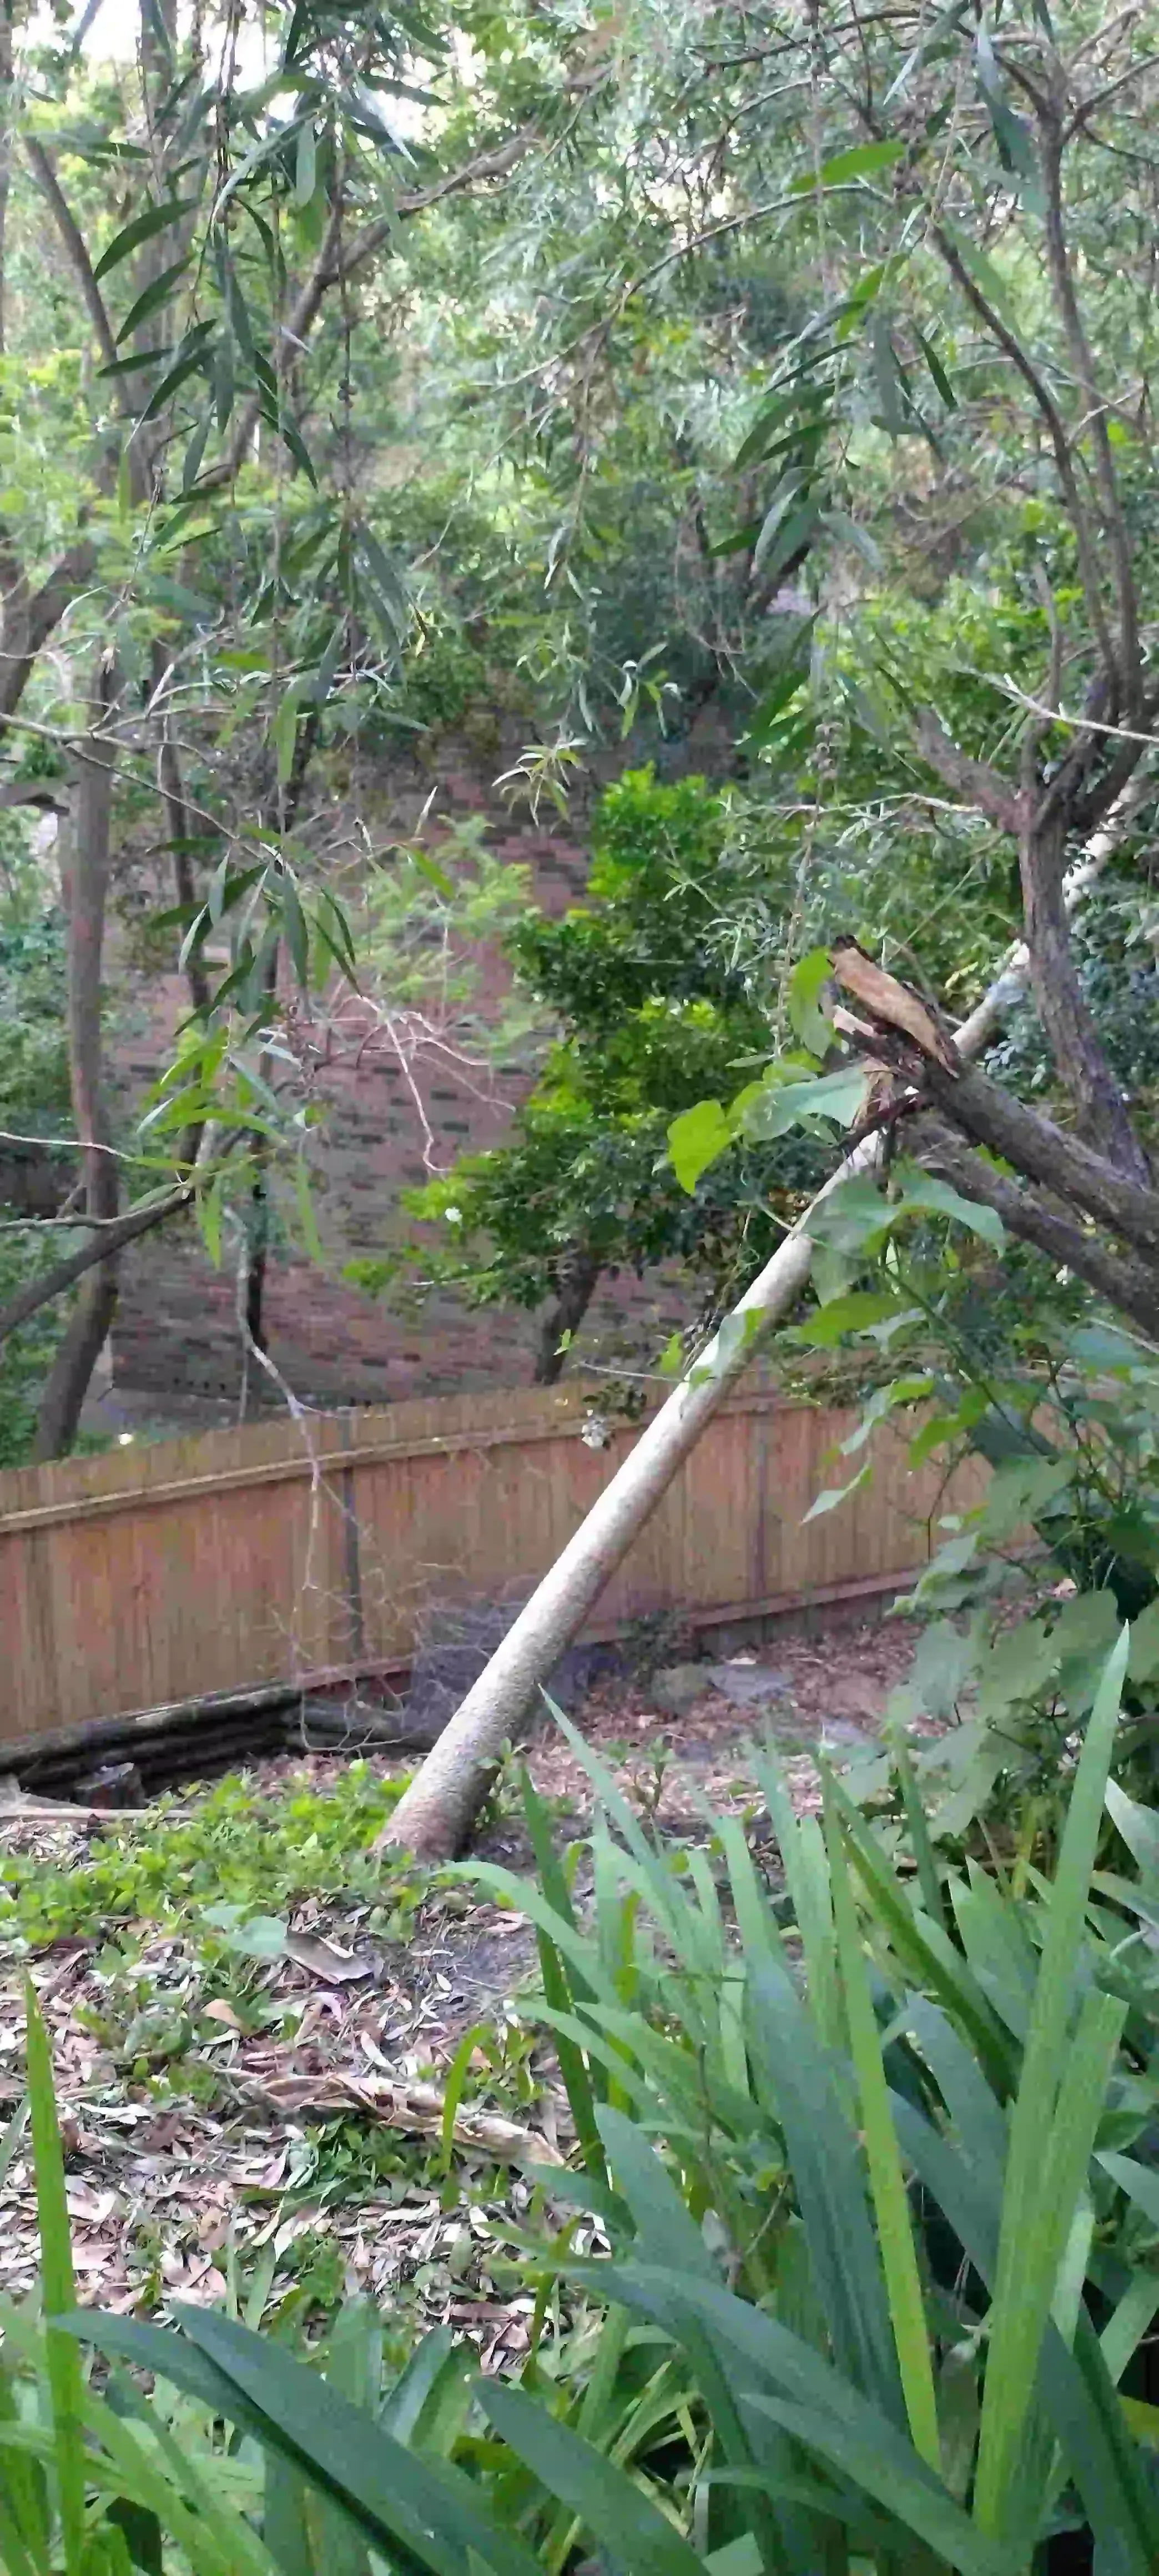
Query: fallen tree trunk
[437,1809]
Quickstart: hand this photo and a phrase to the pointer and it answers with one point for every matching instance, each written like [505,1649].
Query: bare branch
[1082,365]
[1056,429]
[88,884]
[29,619]
[108,1238]
[26,792]
[477,173]
[974,780]
[74,244]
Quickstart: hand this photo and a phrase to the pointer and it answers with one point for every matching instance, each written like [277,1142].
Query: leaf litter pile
[287,2070]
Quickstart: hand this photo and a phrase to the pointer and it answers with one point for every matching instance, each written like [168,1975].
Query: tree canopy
[678,384]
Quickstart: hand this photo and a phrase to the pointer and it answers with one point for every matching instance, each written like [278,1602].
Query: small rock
[749,1685]
[115,1784]
[676,1688]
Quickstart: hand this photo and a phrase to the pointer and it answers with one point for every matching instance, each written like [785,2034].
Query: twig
[417,2108]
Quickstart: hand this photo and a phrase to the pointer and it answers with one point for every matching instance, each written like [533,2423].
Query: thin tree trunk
[179,824]
[7,112]
[257,1236]
[575,1286]
[89,1325]
[436,1812]
[279,813]
[1079,1055]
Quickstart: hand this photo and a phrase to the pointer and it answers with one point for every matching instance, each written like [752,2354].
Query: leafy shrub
[229,1846]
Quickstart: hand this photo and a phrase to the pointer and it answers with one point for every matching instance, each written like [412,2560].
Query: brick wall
[176,1338]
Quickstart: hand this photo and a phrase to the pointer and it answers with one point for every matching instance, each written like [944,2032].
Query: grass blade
[791,2068]
[636,2536]
[924,1951]
[886,2180]
[803,1859]
[559,1988]
[776,2374]
[457,2074]
[1076,2388]
[428,2514]
[930,2513]
[1130,2321]
[919,1834]
[62,2358]
[1030,2241]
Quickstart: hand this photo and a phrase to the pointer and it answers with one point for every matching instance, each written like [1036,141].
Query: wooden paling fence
[160,1574]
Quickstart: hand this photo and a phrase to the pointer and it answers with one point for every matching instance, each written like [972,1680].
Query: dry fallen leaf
[219,2010]
[324,1959]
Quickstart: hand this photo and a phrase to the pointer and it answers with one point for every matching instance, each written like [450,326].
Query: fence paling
[162,1575]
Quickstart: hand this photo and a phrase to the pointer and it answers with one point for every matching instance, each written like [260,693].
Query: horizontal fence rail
[301,1553]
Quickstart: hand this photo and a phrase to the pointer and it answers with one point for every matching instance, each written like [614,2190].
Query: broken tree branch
[434,1814]
[1035,1145]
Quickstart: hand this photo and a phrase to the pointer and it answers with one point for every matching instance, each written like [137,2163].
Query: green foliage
[695,407]
[34,1100]
[1007,1368]
[34,1084]
[26,1355]
[650,1012]
[231,1848]
[985,2046]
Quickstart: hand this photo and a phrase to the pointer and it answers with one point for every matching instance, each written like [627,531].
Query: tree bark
[1044,1153]
[88,1329]
[1070,1031]
[1039,820]
[576,1280]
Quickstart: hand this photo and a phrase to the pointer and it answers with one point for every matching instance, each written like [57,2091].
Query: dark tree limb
[75,247]
[990,1115]
[575,1282]
[1068,1023]
[974,779]
[475,173]
[1042,831]
[1129,1285]
[31,615]
[1046,1153]
[109,1238]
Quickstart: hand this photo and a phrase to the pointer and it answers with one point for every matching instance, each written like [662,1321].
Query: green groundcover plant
[875,2162]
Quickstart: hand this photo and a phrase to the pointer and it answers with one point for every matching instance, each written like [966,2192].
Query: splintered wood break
[893,1005]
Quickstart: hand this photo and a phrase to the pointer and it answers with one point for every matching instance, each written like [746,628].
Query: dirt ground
[312,2163]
